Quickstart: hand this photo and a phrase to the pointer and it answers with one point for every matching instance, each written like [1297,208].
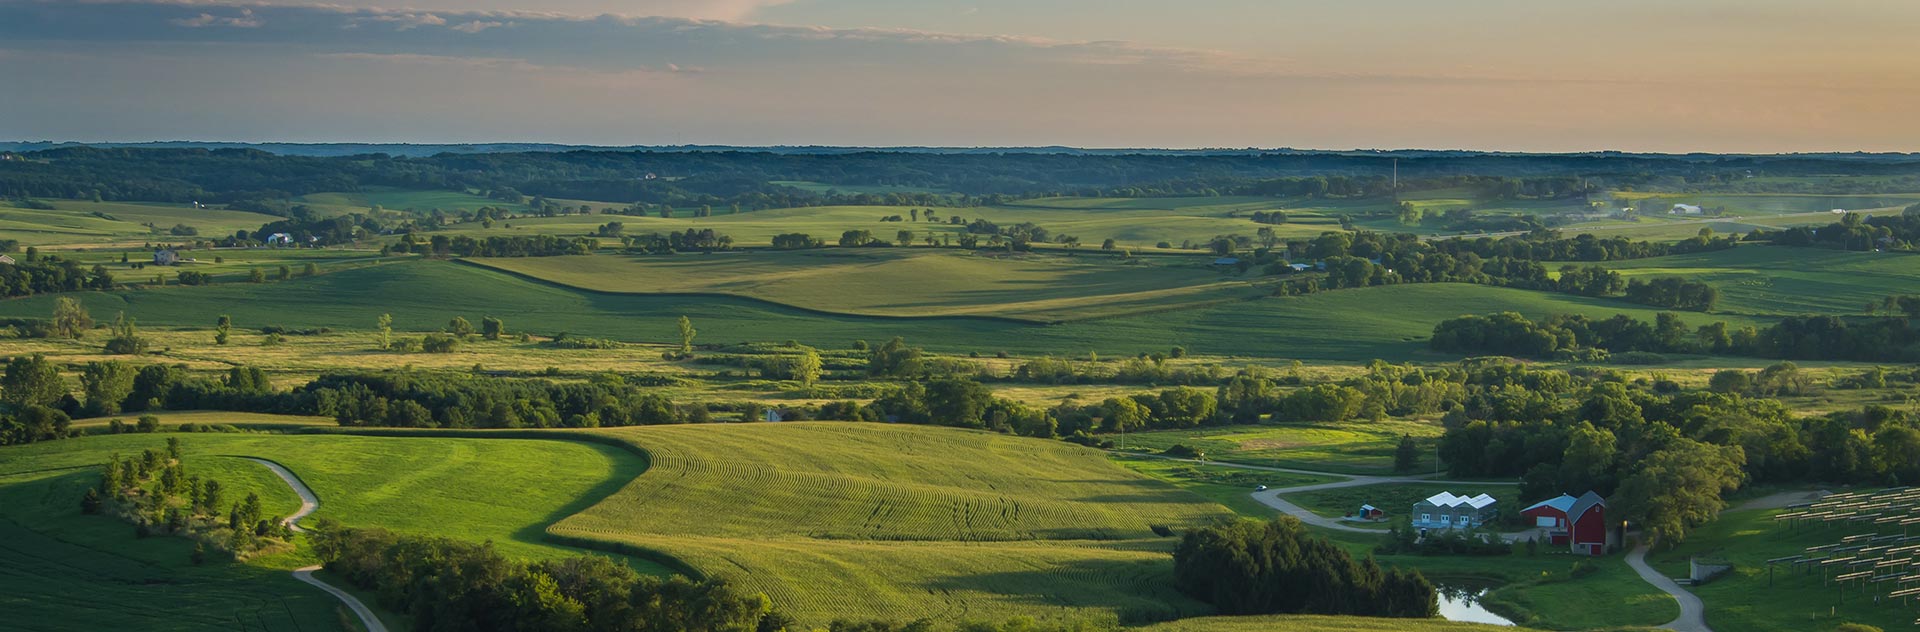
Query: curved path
[1693,613]
[308,503]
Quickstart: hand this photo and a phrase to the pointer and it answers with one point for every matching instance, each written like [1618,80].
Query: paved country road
[308,503]
[1693,613]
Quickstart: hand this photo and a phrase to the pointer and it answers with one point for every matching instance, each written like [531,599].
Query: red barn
[1578,523]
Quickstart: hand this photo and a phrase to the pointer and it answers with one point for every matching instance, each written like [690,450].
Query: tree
[284,273]
[687,332]
[309,270]
[256,276]
[806,368]
[1680,487]
[460,327]
[894,358]
[70,318]
[1278,567]
[492,328]
[1407,455]
[385,325]
[126,340]
[905,238]
[106,385]
[1107,245]
[223,329]
[31,381]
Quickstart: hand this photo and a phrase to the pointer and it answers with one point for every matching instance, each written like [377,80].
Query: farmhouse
[280,239]
[1580,524]
[6,259]
[1447,511]
[165,257]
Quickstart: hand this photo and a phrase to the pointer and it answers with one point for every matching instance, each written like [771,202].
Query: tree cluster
[1278,567]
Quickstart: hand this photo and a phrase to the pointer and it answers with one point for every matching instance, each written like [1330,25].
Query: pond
[1461,602]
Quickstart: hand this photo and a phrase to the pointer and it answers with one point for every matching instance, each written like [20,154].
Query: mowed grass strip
[839,520]
[902,281]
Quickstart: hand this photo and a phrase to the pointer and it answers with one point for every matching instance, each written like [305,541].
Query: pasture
[392,199]
[1228,486]
[837,520]
[904,281]
[1397,500]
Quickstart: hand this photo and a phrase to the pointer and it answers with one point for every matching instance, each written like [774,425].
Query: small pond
[1460,601]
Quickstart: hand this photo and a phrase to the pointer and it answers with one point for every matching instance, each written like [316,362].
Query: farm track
[308,503]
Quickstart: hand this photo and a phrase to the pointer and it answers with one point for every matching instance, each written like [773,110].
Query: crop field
[1760,205]
[82,224]
[902,281]
[1358,447]
[1294,623]
[868,520]
[1784,281]
[1347,325]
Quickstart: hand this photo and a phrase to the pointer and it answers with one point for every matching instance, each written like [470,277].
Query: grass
[1347,448]
[1345,325]
[503,490]
[903,281]
[1300,623]
[1784,281]
[1228,486]
[392,199]
[836,520]
[1743,600]
[171,419]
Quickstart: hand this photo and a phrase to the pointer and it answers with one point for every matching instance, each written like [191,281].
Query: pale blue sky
[1709,75]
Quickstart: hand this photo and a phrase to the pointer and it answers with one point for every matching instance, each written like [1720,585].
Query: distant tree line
[1854,231]
[1576,336]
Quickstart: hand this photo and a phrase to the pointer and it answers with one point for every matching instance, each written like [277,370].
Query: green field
[837,520]
[1786,281]
[1229,486]
[81,224]
[904,281]
[1345,325]
[420,202]
[1357,447]
[91,572]
[1316,624]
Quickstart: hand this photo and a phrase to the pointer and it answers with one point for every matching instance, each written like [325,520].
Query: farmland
[1344,448]
[905,282]
[939,522]
[1351,326]
[77,223]
[1779,281]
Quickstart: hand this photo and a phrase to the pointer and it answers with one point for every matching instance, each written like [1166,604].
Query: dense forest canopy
[753,177]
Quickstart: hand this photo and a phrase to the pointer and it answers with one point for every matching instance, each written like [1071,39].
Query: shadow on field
[1136,591]
[626,467]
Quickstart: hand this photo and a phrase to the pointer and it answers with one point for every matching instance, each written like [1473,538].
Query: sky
[1520,75]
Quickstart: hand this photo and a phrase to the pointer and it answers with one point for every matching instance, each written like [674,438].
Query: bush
[1639,358]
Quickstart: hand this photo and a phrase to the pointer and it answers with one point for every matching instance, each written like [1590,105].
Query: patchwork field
[1348,325]
[903,281]
[1784,281]
[866,520]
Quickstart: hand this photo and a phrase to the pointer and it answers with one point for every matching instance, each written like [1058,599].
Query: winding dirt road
[308,503]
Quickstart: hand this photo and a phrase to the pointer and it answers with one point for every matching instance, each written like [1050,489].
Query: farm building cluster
[1447,511]
[1578,523]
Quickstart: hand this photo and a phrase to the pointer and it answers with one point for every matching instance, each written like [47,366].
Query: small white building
[6,260]
[280,239]
[1685,209]
[165,257]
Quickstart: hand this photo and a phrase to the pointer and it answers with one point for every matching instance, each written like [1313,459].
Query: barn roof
[1587,501]
[1561,504]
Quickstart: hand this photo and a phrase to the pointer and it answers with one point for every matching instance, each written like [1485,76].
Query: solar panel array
[1883,559]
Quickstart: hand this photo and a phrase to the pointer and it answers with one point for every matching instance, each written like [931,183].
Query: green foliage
[1680,487]
[1275,567]
[31,381]
[70,318]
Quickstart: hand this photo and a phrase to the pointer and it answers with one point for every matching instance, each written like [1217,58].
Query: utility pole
[1396,181]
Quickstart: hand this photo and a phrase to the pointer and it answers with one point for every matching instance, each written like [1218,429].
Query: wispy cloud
[245,20]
